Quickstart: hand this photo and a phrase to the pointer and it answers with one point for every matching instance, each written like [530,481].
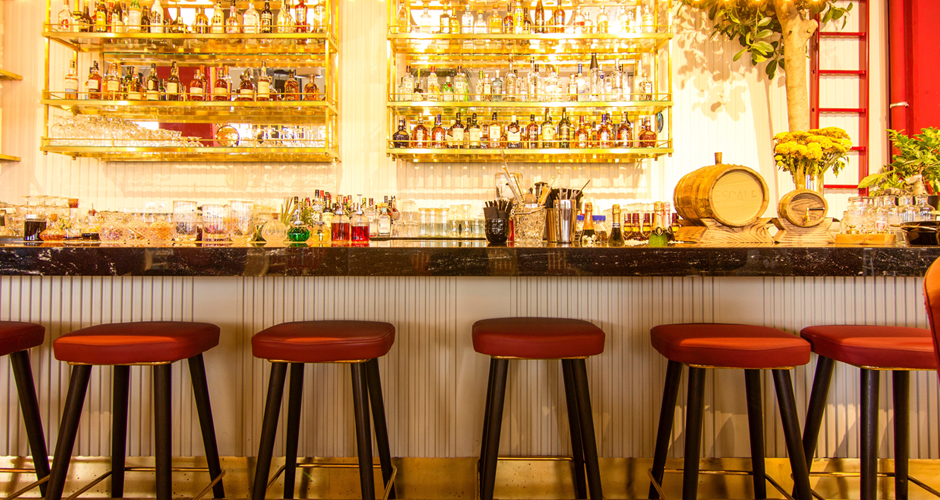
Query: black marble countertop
[464,258]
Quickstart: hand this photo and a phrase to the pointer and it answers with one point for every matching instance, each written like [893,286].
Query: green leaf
[757,58]
[763,47]
[872,180]
[733,17]
[765,21]
[827,17]
[739,54]
[837,14]
[771,69]
[764,33]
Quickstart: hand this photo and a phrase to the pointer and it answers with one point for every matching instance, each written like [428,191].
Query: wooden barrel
[803,207]
[733,195]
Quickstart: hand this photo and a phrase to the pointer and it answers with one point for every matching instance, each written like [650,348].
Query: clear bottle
[595,79]
[603,20]
[509,84]
[156,17]
[433,86]
[233,23]
[340,227]
[487,91]
[217,23]
[251,19]
[425,22]
[552,87]
[578,21]
[626,19]
[359,228]
[319,16]
[385,223]
[447,90]
[93,83]
[644,87]
[466,21]
[173,84]
[496,88]
[926,211]
[461,86]
[572,89]
[444,23]
[408,86]
[588,235]
[583,84]
[533,83]
[479,28]
[201,23]
[494,134]
[64,17]
[71,82]
[285,18]
[264,84]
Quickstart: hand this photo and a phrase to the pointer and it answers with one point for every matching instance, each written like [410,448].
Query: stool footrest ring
[910,478]
[335,465]
[28,487]
[105,475]
[768,478]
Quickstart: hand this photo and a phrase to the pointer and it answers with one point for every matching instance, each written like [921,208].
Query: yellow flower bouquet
[809,155]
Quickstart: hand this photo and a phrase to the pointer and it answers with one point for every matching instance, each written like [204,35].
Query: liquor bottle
[540,17]
[420,136]
[616,238]
[173,87]
[178,25]
[603,133]
[291,87]
[400,138]
[646,19]
[514,134]
[64,17]
[495,22]
[447,90]
[285,19]
[250,19]
[458,134]
[626,19]
[526,22]
[246,89]
[494,133]
[135,90]
[101,17]
[385,222]
[264,84]
[496,88]
[474,133]
[564,130]
[438,134]
[93,83]
[552,89]
[582,137]
[359,228]
[403,17]
[267,18]
[532,82]
[220,90]
[558,19]
[78,18]
[588,236]
[531,138]
[133,17]
[461,86]
[625,133]
[425,22]
[644,87]
[126,82]
[487,91]
[300,17]
[144,20]
[311,91]
[616,78]
[339,227]
[201,23]
[444,27]
[602,20]
[510,84]
[217,23]
[517,18]
[153,85]
[479,28]
[156,17]
[233,24]
[197,87]
[466,21]
[647,137]
[594,79]
[548,131]
[658,236]
[578,21]
[508,21]
[71,82]
[319,16]
[434,86]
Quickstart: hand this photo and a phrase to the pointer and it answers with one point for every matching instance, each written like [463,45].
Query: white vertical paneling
[434,383]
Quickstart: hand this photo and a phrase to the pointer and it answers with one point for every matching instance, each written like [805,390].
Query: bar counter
[465,258]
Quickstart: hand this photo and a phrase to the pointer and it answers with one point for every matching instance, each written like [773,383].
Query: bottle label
[172,88]
[548,136]
[133,96]
[245,93]
[264,89]
[221,91]
[196,90]
[513,137]
[112,86]
[458,135]
[91,85]
[487,90]
[494,133]
[475,134]
[153,95]
[217,29]
[71,85]
[133,20]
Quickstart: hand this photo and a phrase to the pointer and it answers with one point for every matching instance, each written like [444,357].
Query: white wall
[721,105]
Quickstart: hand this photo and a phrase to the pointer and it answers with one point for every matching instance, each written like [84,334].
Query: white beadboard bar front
[433,381]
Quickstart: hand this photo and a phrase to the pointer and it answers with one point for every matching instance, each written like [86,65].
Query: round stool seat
[17,336]
[731,346]
[132,343]
[324,341]
[537,338]
[876,346]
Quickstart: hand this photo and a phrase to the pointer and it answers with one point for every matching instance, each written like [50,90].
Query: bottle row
[534,135]
[542,18]
[123,84]
[120,17]
[620,84]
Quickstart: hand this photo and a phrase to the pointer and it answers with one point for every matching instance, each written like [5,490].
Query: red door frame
[914,97]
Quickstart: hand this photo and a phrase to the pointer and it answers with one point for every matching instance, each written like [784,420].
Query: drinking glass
[242,215]
[161,229]
[216,223]
[184,216]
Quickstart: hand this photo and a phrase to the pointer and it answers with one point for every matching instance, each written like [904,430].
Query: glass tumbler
[241,222]
[184,217]
[216,223]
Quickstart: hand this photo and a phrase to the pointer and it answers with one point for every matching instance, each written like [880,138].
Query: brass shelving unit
[306,53]
[9,75]
[423,46]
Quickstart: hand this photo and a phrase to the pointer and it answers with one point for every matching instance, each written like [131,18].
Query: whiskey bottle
[78,18]
[267,18]
[421,136]
[526,22]
[264,84]
[300,17]
[458,134]
[582,137]
[246,89]
[173,88]
[400,138]
[494,134]
[153,85]
[220,89]
[197,87]
[201,23]
[603,133]
[495,22]
[588,236]
[487,92]
[474,132]
[514,134]
[558,19]
[564,130]
[531,138]
[178,26]
[217,23]
[144,20]
[403,17]
[616,238]
[508,21]
[233,24]
[291,87]
[93,83]
[444,28]
[539,26]
[135,89]
[71,82]
[156,17]
[647,137]
[438,135]
[311,91]
[548,131]
[625,133]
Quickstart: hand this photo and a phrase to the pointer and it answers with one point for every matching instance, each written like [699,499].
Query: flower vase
[820,185]
[799,178]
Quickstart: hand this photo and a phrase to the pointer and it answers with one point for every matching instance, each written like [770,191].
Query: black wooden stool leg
[693,432]
[294,397]
[901,380]
[574,426]
[363,431]
[272,410]
[587,429]
[494,420]
[381,426]
[755,424]
[791,433]
[817,405]
[666,417]
[162,430]
[121,385]
[490,381]
[29,405]
[78,385]
[197,372]
[869,431]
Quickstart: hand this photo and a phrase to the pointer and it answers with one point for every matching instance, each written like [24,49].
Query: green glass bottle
[658,236]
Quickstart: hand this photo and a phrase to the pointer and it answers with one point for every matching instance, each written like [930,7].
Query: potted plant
[915,166]
[808,155]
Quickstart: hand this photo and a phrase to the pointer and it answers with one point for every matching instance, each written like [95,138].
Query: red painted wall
[913,50]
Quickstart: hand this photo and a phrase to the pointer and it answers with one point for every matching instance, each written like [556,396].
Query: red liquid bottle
[340,228]
[359,226]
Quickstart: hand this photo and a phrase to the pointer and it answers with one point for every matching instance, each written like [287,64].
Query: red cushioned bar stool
[569,340]
[872,349]
[751,348]
[122,345]
[358,343]
[15,340]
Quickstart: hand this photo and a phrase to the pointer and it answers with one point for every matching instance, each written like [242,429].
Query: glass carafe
[924,209]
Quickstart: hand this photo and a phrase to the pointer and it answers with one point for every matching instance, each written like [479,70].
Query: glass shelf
[9,75]
[558,47]
[127,150]
[555,155]
[262,112]
[9,158]
[485,108]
